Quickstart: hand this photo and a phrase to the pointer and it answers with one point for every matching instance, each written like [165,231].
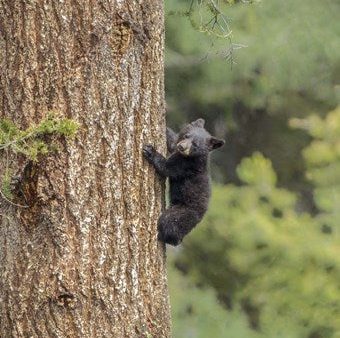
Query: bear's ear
[198,123]
[215,143]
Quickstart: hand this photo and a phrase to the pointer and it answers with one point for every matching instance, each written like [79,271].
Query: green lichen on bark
[32,141]
[35,141]
[6,184]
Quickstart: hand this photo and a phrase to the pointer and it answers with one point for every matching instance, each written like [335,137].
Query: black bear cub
[187,169]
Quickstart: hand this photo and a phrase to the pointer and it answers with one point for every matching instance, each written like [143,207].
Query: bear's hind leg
[175,223]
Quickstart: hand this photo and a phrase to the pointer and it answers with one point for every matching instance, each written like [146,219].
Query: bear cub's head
[194,140]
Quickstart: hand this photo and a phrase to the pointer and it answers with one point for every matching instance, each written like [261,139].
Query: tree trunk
[82,260]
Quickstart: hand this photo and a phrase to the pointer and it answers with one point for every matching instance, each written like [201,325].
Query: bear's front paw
[148,152]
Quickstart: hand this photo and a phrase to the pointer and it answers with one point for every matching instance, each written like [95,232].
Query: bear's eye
[186,136]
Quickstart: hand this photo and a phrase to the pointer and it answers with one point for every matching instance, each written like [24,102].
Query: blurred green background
[265,261]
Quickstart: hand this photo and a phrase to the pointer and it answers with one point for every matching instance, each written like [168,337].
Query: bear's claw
[148,151]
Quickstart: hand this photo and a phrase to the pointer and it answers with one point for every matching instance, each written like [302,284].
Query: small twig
[191,6]
[7,145]
[12,203]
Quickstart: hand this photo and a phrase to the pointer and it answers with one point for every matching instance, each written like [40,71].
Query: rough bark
[82,260]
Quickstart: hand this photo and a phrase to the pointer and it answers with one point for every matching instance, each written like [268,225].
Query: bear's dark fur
[187,169]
